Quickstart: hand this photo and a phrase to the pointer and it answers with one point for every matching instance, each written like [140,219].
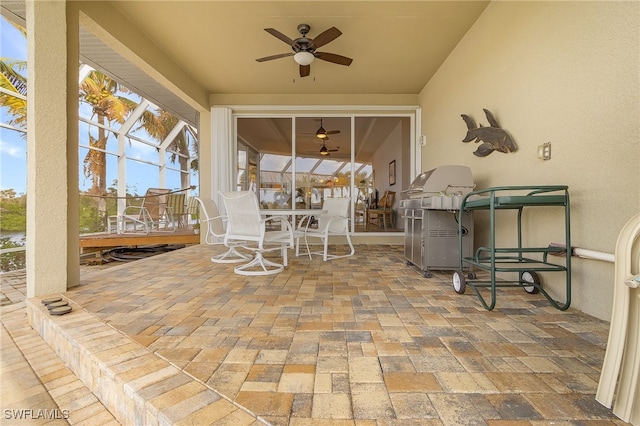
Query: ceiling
[396,47]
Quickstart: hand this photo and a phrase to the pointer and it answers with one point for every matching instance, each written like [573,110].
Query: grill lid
[443,180]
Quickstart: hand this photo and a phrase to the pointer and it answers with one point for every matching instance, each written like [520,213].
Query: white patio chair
[153,215]
[333,222]
[215,231]
[246,225]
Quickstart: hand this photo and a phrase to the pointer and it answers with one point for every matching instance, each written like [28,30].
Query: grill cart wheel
[459,282]
[530,277]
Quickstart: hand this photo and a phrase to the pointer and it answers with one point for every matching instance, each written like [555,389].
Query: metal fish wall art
[493,138]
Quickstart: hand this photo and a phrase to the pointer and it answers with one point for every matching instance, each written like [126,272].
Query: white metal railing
[12,249]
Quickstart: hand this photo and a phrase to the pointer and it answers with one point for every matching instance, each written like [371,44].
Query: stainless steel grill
[431,206]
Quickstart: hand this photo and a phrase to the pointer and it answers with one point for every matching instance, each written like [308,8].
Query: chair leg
[325,240]
[325,254]
[298,247]
[284,254]
[353,250]
[230,256]
[263,263]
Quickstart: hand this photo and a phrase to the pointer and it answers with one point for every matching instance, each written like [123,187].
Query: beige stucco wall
[561,72]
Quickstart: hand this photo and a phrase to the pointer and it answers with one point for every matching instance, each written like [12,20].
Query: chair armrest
[211,219]
[286,227]
[140,210]
[304,222]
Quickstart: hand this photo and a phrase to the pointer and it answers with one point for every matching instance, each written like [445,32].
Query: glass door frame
[353,112]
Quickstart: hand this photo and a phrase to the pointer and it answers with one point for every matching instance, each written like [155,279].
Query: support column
[52,146]
[221,151]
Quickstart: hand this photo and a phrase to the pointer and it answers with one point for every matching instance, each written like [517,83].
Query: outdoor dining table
[292,213]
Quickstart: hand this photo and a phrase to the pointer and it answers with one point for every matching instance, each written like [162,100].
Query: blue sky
[13,147]
[13,157]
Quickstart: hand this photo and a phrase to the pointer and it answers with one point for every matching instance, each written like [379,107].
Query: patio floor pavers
[360,340]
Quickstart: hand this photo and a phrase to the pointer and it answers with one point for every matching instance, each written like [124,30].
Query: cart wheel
[459,283]
[409,263]
[427,274]
[530,277]
[471,275]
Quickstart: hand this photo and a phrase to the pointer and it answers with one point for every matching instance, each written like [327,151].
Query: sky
[13,156]
[13,146]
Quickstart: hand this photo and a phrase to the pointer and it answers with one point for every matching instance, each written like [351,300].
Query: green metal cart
[519,260]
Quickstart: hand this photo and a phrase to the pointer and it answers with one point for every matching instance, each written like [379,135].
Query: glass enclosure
[298,162]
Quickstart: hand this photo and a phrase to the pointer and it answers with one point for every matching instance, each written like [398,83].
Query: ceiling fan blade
[332,57]
[269,58]
[277,34]
[326,36]
[305,70]
[332,132]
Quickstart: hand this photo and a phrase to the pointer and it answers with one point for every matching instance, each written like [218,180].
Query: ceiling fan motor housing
[304,29]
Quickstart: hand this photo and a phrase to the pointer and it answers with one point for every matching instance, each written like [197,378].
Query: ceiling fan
[304,49]
[326,151]
[321,133]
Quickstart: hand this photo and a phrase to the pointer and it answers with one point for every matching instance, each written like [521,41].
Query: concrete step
[138,386]
[37,387]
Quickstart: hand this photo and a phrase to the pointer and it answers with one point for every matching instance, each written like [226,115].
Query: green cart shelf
[518,259]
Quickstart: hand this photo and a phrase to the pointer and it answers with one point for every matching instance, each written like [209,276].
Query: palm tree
[12,80]
[100,91]
[158,126]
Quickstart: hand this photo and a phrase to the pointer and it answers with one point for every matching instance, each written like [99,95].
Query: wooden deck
[91,242]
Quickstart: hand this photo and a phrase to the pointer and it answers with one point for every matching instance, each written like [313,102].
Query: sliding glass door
[299,161]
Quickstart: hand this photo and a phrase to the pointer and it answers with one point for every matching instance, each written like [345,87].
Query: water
[15,236]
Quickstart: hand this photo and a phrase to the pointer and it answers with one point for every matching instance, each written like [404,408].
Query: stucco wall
[561,72]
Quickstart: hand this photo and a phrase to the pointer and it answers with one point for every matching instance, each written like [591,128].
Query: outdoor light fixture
[304,58]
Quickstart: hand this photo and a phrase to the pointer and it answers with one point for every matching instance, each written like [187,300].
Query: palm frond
[12,79]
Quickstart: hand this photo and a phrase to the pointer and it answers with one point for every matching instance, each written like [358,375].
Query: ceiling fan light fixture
[321,133]
[304,58]
[324,150]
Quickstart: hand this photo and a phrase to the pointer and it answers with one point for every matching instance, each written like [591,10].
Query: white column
[221,151]
[52,228]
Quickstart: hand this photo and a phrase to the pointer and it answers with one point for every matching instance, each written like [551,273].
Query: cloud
[11,150]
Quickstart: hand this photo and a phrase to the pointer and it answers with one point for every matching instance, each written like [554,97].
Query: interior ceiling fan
[321,133]
[325,151]
[304,49]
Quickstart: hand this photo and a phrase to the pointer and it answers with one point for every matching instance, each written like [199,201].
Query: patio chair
[362,209]
[176,206]
[247,227]
[192,210]
[153,214]
[215,231]
[384,212]
[334,221]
